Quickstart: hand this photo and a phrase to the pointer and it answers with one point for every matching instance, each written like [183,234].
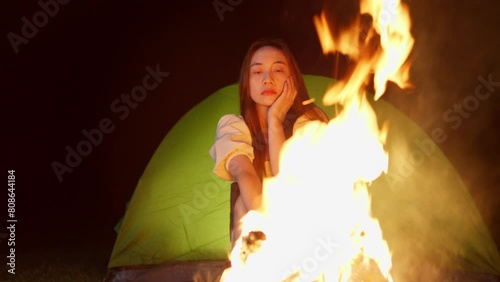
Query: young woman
[273,104]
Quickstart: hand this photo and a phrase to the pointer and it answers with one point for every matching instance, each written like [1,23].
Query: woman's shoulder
[232,139]
[302,118]
[230,118]
[231,123]
[302,121]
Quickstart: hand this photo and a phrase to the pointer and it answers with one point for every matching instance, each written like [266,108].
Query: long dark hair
[248,107]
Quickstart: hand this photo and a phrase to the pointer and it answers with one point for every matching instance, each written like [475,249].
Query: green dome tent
[180,210]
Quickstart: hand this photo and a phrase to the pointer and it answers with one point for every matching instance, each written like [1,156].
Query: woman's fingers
[291,87]
[285,86]
[289,90]
[284,101]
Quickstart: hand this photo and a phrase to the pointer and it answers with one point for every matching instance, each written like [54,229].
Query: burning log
[251,243]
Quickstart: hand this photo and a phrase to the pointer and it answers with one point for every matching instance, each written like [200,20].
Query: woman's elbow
[240,165]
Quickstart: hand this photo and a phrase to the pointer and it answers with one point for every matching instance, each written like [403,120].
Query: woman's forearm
[242,170]
[276,138]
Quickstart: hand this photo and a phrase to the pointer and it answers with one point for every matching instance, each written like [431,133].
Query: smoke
[456,50]
[450,195]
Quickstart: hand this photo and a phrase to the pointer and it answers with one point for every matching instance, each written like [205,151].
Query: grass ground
[61,264]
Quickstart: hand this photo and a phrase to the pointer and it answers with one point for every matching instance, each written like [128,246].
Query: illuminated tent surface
[180,209]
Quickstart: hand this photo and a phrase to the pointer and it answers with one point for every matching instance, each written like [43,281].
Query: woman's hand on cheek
[277,112]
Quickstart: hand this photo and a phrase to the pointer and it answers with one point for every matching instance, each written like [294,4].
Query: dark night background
[66,77]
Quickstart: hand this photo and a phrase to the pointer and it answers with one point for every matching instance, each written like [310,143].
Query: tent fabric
[180,210]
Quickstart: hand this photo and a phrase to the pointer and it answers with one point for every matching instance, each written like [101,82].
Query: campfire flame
[317,224]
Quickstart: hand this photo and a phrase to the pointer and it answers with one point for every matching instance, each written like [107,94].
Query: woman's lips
[268,92]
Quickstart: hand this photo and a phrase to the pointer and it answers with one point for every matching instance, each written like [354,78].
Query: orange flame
[318,222]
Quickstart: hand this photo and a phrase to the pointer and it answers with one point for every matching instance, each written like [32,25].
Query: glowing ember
[306,102]
[317,225]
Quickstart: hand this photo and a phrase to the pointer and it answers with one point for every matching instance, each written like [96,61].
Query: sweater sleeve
[232,138]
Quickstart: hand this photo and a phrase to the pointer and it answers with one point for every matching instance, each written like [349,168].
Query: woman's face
[268,71]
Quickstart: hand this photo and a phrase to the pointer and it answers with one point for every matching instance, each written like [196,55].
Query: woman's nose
[268,78]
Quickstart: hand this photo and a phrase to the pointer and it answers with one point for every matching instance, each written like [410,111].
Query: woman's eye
[278,70]
[257,72]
